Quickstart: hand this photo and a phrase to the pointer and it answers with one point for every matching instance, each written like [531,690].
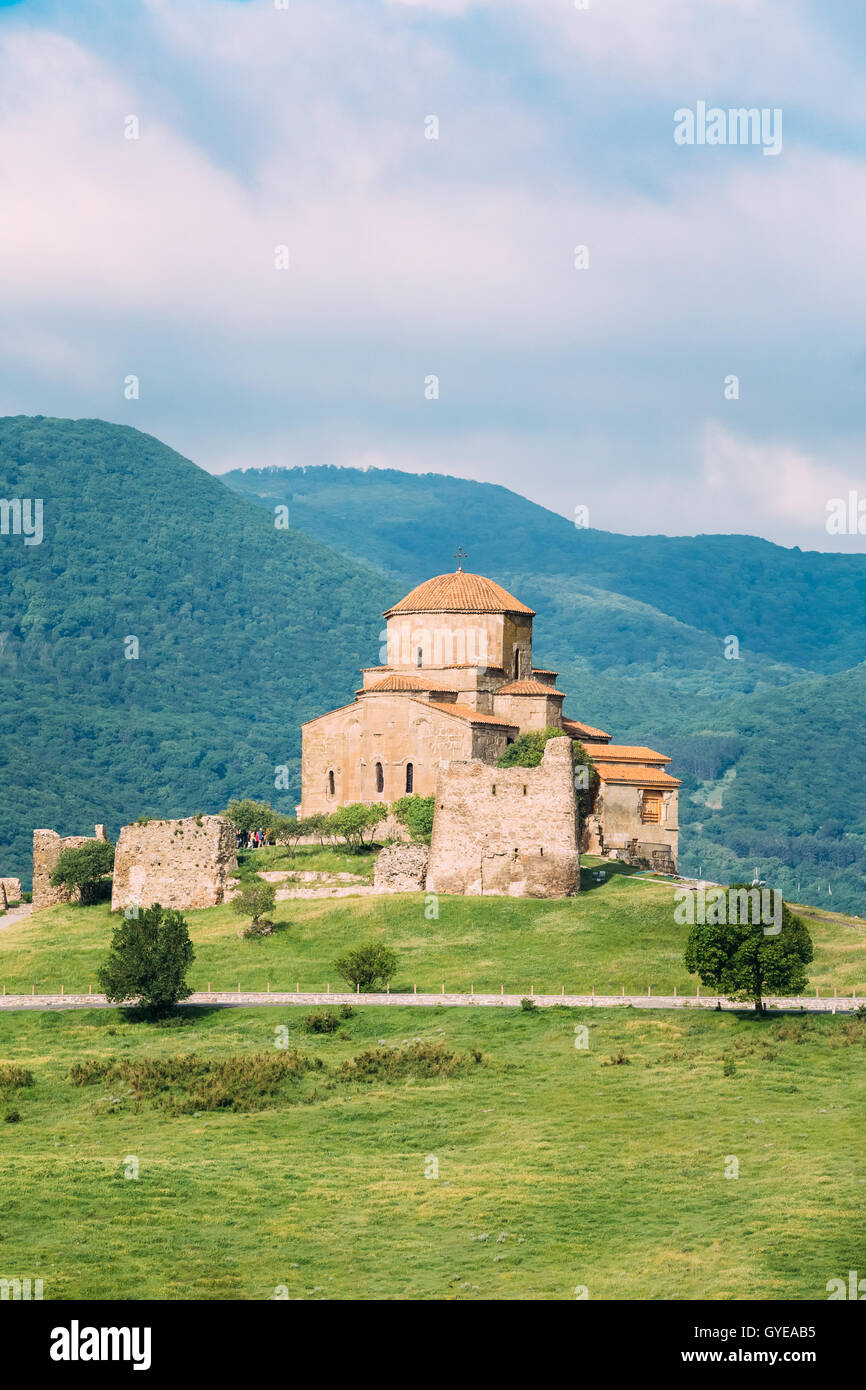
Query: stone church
[460,685]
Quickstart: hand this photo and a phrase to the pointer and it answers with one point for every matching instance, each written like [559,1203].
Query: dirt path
[14,914]
[225,999]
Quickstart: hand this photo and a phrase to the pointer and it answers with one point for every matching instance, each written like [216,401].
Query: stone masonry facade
[176,863]
[47,849]
[510,831]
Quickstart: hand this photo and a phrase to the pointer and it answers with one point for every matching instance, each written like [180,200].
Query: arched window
[516,663]
[420,657]
[331,784]
[410,777]
[380,778]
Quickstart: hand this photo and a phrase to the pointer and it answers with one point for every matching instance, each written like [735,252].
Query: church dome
[459,593]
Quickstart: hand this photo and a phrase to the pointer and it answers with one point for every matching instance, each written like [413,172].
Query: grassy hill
[617,934]
[540,1149]
[243,630]
[635,626]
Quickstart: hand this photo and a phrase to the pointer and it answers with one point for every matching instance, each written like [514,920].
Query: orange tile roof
[542,671]
[582,731]
[459,593]
[641,776]
[473,715]
[528,687]
[624,753]
[402,680]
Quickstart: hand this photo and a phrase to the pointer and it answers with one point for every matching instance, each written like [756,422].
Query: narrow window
[516,663]
[507,741]
[494,788]
[331,785]
[410,777]
[524,791]
[420,657]
[380,778]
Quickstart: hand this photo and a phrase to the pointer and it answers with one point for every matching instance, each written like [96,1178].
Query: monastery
[459,686]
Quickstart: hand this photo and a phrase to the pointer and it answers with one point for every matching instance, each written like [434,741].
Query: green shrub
[187,1083]
[346,1011]
[11,1076]
[618,1059]
[416,813]
[254,900]
[148,960]
[528,1005]
[321,1021]
[83,869]
[370,967]
[729,1067]
[12,1117]
[420,1059]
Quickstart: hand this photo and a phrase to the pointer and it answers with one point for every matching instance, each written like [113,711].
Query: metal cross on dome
[460,555]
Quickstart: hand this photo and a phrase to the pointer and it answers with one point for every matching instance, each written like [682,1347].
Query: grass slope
[617,934]
[556,1169]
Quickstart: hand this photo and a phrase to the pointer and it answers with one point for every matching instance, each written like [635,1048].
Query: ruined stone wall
[177,863]
[507,830]
[47,849]
[401,869]
[12,889]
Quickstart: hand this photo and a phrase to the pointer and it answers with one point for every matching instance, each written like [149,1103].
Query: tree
[149,956]
[289,830]
[527,750]
[84,868]
[746,960]
[416,813]
[369,967]
[247,815]
[350,822]
[254,900]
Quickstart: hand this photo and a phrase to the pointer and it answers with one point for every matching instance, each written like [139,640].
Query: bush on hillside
[368,968]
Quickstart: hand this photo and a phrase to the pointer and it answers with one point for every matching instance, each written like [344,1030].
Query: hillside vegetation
[243,631]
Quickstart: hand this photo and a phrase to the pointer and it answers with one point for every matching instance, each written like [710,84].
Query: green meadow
[619,933]
[520,1166]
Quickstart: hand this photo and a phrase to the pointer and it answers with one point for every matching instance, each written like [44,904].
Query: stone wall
[401,869]
[507,830]
[47,849]
[12,889]
[177,863]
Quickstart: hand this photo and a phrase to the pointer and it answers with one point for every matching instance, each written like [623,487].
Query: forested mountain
[636,626]
[243,631]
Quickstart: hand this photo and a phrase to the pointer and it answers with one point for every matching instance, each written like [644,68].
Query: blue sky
[305,127]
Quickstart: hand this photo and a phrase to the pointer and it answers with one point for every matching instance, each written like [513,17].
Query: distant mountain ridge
[243,631]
